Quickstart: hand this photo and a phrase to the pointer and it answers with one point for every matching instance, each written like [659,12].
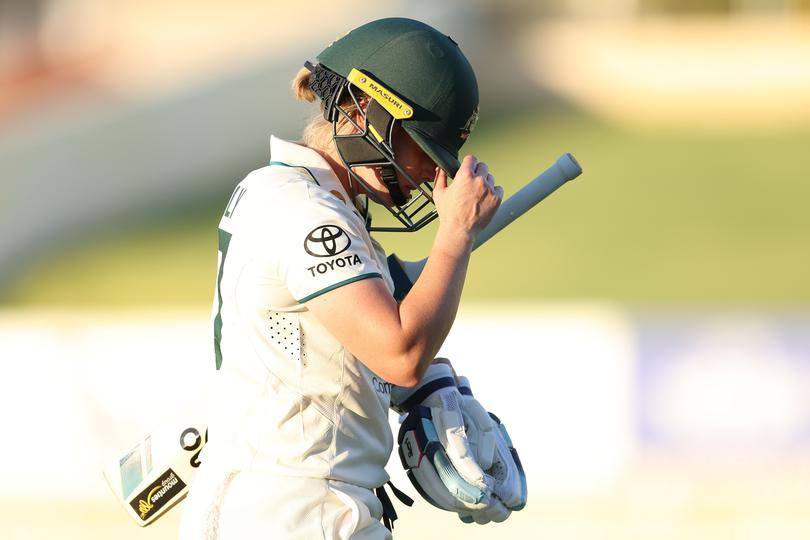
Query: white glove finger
[432,472]
[454,439]
[445,408]
[486,450]
[481,518]
[466,517]
[482,430]
[496,511]
[510,481]
[507,486]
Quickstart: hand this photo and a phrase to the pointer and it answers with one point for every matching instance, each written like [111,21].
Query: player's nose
[429,171]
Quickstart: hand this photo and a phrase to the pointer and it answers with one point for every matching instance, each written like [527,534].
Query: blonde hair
[318,131]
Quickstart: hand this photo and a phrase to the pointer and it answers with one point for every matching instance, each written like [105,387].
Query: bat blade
[155,474]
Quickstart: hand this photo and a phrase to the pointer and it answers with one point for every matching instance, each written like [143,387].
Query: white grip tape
[564,169]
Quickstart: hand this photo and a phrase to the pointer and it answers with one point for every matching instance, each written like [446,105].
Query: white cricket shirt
[288,398]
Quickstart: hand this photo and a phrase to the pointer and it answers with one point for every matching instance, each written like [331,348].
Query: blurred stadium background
[655,313]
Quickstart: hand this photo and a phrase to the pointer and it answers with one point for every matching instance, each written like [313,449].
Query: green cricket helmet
[414,75]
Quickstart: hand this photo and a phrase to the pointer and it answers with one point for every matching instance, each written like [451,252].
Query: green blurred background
[660,217]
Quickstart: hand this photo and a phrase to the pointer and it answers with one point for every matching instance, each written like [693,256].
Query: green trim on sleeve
[341,284]
[282,164]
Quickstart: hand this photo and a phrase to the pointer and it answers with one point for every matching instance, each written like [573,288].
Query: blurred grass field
[660,218]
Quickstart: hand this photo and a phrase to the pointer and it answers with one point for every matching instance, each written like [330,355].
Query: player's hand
[447,418]
[468,203]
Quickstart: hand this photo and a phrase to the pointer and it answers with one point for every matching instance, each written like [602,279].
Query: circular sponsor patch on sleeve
[327,241]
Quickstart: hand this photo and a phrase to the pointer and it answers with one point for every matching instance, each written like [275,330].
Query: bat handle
[564,169]
[405,273]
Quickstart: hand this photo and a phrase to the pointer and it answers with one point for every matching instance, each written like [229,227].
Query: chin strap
[389,177]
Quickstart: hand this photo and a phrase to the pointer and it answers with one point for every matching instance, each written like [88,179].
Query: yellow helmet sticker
[392,103]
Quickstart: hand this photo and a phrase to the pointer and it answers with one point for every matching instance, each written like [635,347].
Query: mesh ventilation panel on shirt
[285,333]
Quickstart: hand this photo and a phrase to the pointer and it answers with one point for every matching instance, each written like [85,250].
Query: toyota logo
[326,241]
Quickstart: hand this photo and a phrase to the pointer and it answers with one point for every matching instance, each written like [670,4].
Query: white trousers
[242,506]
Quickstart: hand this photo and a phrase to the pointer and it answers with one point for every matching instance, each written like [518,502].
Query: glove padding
[433,443]
[458,456]
[497,456]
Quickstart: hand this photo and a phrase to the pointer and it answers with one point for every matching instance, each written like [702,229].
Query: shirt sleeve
[325,247]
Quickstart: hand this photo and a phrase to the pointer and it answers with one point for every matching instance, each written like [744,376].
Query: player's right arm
[399,341]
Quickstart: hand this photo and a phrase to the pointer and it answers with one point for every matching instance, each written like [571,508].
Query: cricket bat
[155,474]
